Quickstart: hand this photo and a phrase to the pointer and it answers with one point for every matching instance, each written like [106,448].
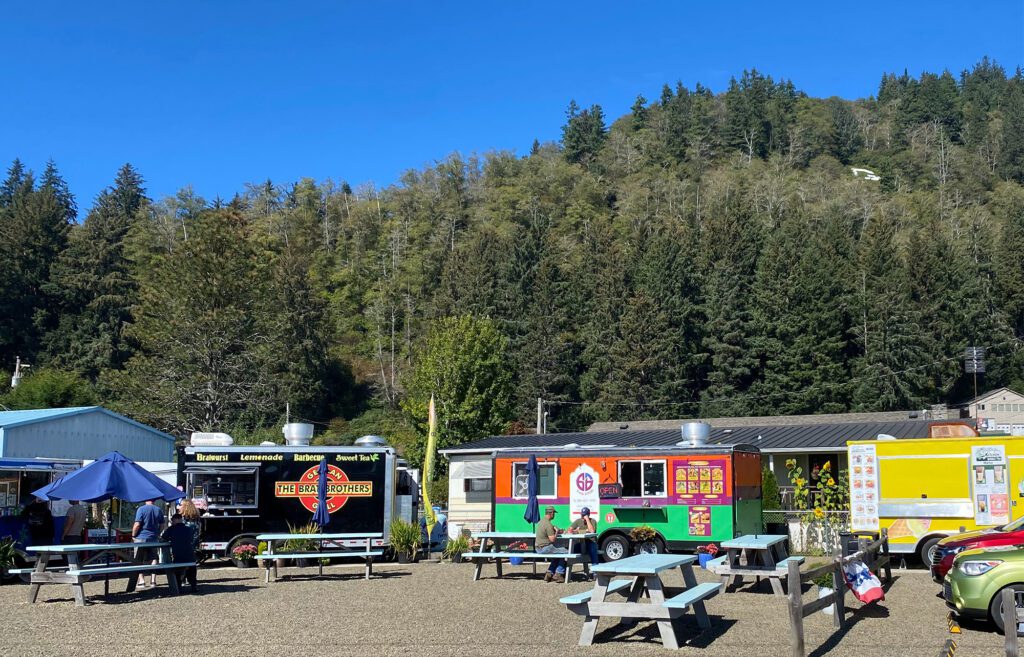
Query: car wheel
[995,608]
[927,550]
[615,547]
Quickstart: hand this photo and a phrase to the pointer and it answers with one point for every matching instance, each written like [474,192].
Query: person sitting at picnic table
[585,524]
[546,535]
[148,521]
[182,540]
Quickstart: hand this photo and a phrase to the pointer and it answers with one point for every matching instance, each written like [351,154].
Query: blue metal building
[81,433]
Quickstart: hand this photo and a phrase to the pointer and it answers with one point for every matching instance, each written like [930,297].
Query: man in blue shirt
[149,520]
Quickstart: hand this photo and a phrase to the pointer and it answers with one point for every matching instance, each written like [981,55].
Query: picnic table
[764,555]
[367,554]
[481,555]
[78,570]
[643,576]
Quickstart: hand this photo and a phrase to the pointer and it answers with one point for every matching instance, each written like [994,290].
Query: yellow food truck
[922,490]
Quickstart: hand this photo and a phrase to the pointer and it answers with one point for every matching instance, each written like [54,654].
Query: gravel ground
[436,609]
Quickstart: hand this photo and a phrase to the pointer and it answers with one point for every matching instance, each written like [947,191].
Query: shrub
[770,499]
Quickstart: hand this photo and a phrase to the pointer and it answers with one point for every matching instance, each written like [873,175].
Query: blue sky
[216,94]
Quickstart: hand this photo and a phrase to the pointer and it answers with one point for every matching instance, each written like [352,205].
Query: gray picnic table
[481,555]
[642,575]
[76,571]
[367,554]
[763,555]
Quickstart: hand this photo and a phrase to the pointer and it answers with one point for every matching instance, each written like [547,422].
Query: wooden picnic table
[367,554]
[76,571]
[643,576]
[570,557]
[763,555]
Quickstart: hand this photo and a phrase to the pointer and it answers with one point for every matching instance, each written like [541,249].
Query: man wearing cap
[586,525]
[546,535]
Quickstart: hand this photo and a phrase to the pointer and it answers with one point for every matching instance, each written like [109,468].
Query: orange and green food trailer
[688,496]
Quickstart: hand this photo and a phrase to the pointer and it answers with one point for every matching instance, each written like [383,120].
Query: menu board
[701,481]
[988,476]
[863,488]
[700,521]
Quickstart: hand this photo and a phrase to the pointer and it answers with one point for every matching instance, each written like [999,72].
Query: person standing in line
[585,524]
[74,524]
[148,521]
[39,522]
[190,518]
[180,536]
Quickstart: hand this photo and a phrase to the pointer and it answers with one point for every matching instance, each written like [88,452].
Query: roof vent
[371,441]
[885,436]
[211,439]
[267,443]
[297,433]
[695,434]
[571,445]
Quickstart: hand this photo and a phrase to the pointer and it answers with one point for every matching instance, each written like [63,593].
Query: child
[181,537]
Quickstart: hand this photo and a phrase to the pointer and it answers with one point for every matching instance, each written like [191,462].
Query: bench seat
[580,598]
[694,594]
[714,563]
[785,562]
[318,555]
[142,568]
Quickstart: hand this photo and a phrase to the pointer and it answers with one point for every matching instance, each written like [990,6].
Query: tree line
[752,251]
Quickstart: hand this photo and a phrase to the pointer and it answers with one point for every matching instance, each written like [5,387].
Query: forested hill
[710,253]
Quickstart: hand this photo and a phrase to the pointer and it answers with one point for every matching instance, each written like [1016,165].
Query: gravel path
[436,609]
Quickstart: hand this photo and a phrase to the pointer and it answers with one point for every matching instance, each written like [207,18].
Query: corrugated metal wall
[85,436]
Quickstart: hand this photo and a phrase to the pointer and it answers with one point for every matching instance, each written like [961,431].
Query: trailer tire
[995,608]
[653,546]
[245,540]
[927,549]
[615,547]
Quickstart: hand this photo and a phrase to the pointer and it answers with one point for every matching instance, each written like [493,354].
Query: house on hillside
[470,479]
[999,410]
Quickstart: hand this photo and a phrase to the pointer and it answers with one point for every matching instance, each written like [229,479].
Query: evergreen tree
[583,134]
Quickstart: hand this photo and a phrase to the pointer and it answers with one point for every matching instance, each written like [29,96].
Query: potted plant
[825,590]
[405,540]
[645,538]
[8,554]
[299,545]
[244,555]
[454,548]
[706,553]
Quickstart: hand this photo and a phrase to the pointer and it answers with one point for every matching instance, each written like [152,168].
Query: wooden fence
[1012,616]
[874,554]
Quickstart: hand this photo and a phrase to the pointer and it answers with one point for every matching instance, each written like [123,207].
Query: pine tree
[93,280]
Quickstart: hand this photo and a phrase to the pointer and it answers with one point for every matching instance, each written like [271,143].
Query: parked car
[974,585]
[949,547]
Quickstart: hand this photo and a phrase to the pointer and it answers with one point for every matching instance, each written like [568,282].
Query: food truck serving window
[223,487]
[642,478]
[545,480]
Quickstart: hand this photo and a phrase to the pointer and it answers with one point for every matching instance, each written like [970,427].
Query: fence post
[796,609]
[1009,601]
[838,593]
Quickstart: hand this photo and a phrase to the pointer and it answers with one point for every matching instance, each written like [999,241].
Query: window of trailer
[223,487]
[642,478]
[547,475]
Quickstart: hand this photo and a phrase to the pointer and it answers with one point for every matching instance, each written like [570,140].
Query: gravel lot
[436,609]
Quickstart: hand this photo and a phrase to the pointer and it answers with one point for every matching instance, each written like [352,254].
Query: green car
[973,585]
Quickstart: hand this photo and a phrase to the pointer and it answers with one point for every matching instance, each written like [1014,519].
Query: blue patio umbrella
[322,515]
[111,475]
[532,514]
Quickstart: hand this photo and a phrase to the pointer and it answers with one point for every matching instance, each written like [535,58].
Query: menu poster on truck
[863,488]
[989,477]
[700,521]
[701,481]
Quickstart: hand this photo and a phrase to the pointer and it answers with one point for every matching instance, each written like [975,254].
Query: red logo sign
[339,488]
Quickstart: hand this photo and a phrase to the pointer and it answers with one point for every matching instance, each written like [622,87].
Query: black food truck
[245,490]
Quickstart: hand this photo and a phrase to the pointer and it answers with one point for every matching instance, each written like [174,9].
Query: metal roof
[10,419]
[786,438]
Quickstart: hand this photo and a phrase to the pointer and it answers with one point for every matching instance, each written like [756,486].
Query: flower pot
[244,563]
[703,559]
[826,592]
[515,561]
[457,557]
[303,563]
[403,557]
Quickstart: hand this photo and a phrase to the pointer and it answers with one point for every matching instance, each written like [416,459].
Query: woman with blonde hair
[190,518]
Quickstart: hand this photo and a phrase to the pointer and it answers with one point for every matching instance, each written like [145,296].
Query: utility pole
[540,415]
